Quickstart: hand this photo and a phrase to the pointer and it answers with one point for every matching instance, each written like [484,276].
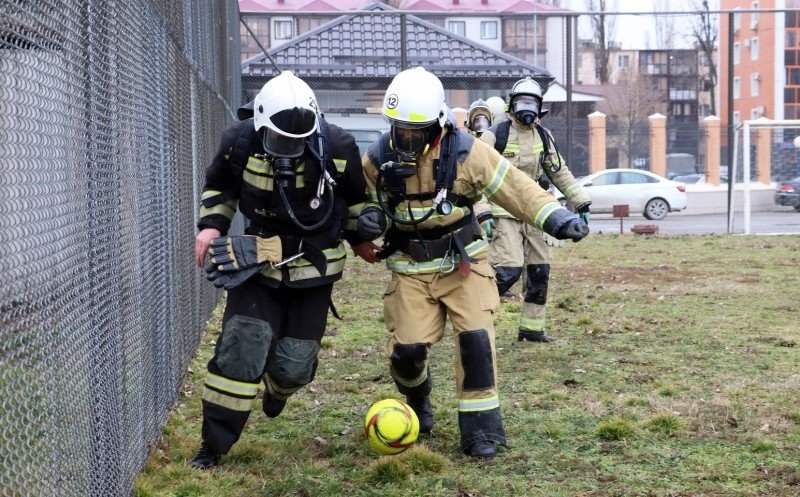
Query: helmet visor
[411,141]
[282,146]
[526,102]
[294,122]
[480,123]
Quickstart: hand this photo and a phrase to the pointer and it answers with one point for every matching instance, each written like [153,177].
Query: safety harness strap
[239,157]
[501,134]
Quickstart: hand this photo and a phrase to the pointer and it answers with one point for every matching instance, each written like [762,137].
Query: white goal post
[745,127]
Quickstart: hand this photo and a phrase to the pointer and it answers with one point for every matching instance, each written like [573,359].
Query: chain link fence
[109,112]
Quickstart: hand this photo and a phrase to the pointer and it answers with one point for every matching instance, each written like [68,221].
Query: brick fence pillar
[597,142]
[658,144]
[713,126]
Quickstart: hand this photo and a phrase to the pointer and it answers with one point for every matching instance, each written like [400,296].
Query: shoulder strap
[547,141]
[387,153]
[239,157]
[241,149]
[544,137]
[501,135]
[319,144]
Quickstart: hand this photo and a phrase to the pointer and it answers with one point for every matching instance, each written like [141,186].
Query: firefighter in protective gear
[479,118]
[298,182]
[497,106]
[425,176]
[530,148]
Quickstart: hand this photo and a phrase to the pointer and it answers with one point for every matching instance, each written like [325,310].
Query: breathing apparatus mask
[480,123]
[284,148]
[410,140]
[526,109]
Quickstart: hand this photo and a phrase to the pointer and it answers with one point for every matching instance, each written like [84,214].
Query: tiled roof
[298,6]
[445,6]
[364,50]
[476,6]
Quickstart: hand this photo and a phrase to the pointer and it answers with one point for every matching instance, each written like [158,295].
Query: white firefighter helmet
[525,101]
[414,102]
[525,86]
[497,106]
[287,108]
[479,117]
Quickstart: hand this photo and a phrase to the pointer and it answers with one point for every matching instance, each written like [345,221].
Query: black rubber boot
[272,407]
[206,457]
[533,336]
[483,449]
[424,411]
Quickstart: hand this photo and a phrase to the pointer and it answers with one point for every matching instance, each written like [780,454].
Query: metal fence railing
[109,111]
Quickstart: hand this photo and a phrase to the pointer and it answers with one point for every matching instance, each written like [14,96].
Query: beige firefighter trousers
[416,307]
[518,245]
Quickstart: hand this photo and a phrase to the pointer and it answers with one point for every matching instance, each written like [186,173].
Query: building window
[737,83]
[260,28]
[794,76]
[488,30]
[791,38]
[756,113]
[754,48]
[457,27]
[623,61]
[737,118]
[519,36]
[755,78]
[737,21]
[754,17]
[737,56]
[307,23]
[653,62]
[283,29]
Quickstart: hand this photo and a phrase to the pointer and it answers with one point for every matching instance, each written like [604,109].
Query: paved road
[779,220]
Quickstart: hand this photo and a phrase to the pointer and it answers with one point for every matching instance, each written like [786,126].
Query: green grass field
[675,372]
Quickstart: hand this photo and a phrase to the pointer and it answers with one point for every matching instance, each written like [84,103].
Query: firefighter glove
[574,229]
[552,241]
[563,225]
[234,259]
[371,223]
[583,212]
[488,225]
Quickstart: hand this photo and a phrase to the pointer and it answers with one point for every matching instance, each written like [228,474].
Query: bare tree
[665,24]
[635,99]
[705,32]
[603,28]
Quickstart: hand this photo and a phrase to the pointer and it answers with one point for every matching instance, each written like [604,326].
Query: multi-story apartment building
[677,76]
[766,60]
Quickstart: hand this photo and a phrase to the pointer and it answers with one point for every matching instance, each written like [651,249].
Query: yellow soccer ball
[391,426]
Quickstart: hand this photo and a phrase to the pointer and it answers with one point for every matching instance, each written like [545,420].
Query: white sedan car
[643,191]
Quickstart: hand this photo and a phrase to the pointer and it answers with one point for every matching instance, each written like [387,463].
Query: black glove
[234,259]
[230,279]
[583,212]
[563,225]
[574,229]
[371,223]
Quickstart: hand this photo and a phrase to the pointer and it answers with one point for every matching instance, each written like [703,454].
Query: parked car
[788,193]
[643,191]
[697,179]
[678,164]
